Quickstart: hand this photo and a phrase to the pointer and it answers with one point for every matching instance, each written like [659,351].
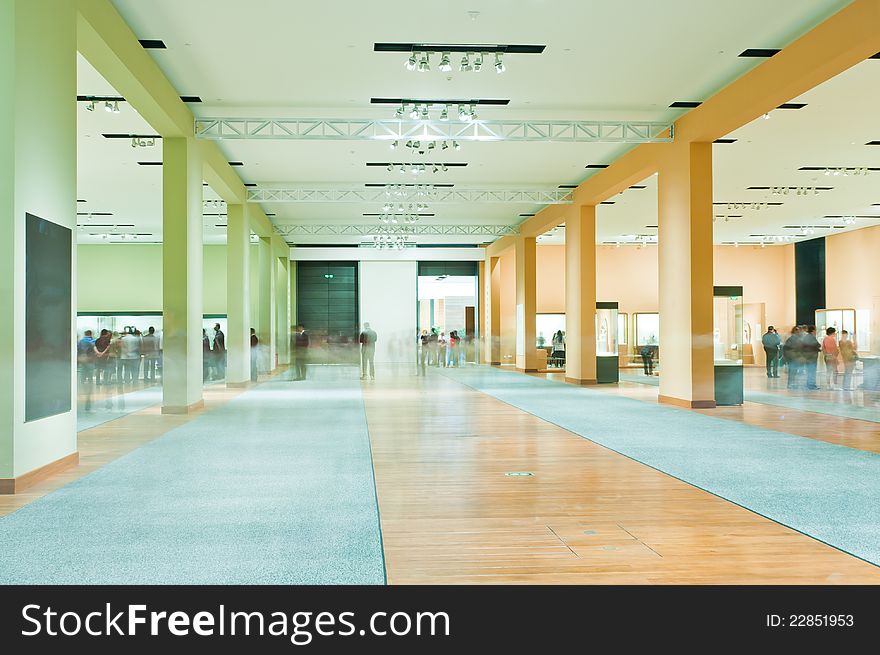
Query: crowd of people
[214,354]
[436,348]
[800,354]
[117,357]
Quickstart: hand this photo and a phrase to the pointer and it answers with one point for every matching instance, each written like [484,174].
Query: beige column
[267,301]
[526,304]
[181,276]
[238,302]
[38,381]
[580,295]
[687,375]
[292,302]
[283,310]
[493,312]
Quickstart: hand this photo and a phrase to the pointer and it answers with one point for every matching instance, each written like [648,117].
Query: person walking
[452,349]
[647,354]
[102,348]
[219,353]
[300,352]
[442,343]
[367,339]
[811,348]
[150,346]
[771,343]
[255,345]
[206,355]
[424,347]
[86,356]
[830,355]
[849,355]
[791,352]
[433,347]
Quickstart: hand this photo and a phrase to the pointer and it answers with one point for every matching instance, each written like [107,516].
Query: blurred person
[150,348]
[219,353]
[647,354]
[849,355]
[452,349]
[115,364]
[207,355]
[557,351]
[300,352]
[255,345]
[86,355]
[442,343]
[810,347]
[424,346]
[433,346]
[791,352]
[830,355]
[130,356]
[367,340]
[771,342]
[102,348]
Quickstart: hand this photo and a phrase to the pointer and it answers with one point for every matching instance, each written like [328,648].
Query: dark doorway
[327,306]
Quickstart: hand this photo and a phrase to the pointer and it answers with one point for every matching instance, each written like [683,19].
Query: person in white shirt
[130,355]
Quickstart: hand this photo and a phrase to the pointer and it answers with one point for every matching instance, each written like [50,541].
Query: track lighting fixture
[444,145]
[456,145]
[424,65]
[499,65]
[478,62]
[414,112]
[444,113]
[766,116]
[91,107]
[390,167]
[445,66]
[394,145]
[465,65]
[111,107]
[399,112]
[411,62]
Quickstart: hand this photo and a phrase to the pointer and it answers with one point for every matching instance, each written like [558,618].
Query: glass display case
[727,342]
[647,328]
[607,362]
[840,319]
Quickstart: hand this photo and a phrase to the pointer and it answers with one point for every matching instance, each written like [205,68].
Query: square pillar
[526,304]
[493,312]
[580,296]
[238,310]
[266,328]
[38,376]
[181,276]
[282,312]
[684,195]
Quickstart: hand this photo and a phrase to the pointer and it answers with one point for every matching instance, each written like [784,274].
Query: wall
[128,277]
[852,268]
[388,304]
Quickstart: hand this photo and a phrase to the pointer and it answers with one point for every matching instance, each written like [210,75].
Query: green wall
[128,278]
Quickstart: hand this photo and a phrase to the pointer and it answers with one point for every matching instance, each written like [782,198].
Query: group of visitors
[800,353]
[115,358]
[438,349]
[214,354]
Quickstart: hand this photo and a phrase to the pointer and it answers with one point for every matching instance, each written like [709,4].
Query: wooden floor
[450,514]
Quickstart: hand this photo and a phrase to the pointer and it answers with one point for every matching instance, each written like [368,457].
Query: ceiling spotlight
[424,65]
[465,65]
[809,230]
[478,62]
[766,116]
[499,65]
[414,169]
[390,167]
[463,114]
[414,112]
[445,66]
[394,145]
[443,167]
[399,112]
[425,115]
[411,62]
[456,145]
[402,169]
[111,107]
[90,106]
[473,114]
[435,169]
[444,145]
[386,207]
[444,113]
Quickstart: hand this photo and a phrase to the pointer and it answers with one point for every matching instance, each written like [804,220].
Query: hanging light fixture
[445,66]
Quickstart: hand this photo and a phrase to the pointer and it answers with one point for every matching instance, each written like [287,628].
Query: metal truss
[405,193]
[371,229]
[339,129]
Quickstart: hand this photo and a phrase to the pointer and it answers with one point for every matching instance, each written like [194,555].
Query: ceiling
[626,60]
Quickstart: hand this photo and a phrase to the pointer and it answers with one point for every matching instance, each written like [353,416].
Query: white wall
[388,304]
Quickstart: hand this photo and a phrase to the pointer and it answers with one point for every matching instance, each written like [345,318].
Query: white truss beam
[418,229]
[417,193]
[339,129]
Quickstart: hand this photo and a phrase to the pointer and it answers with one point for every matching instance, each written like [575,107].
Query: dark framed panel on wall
[48,337]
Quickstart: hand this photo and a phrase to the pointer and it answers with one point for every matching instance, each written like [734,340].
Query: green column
[181,276]
[38,177]
[282,315]
[238,241]
[267,300]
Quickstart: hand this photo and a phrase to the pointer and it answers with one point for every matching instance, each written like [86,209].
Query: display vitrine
[607,362]
[727,342]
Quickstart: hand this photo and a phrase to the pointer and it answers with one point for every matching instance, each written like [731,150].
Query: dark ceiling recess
[724,141]
[436,186]
[121,99]
[459,47]
[748,202]
[607,202]
[638,186]
[149,163]
[392,213]
[567,186]
[792,105]
[94,213]
[131,136]
[825,168]
[152,44]
[235,163]
[759,52]
[685,104]
[191,98]
[408,163]
[438,101]
[791,188]
[873,143]
[596,166]
[250,184]
[526,214]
